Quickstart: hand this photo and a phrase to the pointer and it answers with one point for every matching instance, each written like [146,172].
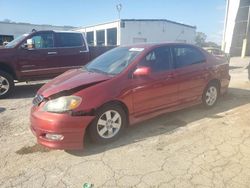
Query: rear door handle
[52,53]
[81,51]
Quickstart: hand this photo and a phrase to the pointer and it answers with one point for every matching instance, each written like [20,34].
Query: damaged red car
[122,87]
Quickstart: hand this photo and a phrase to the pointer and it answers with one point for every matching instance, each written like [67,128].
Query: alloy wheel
[4,85]
[211,95]
[109,124]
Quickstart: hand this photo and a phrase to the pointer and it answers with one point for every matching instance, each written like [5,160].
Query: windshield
[13,43]
[114,61]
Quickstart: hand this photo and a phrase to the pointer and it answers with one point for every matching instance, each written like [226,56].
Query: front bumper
[72,128]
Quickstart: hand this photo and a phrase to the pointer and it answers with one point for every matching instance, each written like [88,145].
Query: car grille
[37,100]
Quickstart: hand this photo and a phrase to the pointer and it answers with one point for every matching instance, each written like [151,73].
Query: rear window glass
[69,39]
[187,55]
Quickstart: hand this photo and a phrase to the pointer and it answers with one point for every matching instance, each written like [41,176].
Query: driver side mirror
[142,71]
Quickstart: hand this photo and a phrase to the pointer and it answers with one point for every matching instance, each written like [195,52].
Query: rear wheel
[6,84]
[210,95]
[108,125]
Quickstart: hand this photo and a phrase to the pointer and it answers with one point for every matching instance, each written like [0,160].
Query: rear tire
[108,124]
[210,95]
[6,84]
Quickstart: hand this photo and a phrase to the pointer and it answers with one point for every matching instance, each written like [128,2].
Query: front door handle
[81,51]
[52,53]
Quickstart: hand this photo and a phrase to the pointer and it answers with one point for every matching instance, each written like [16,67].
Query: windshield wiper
[84,68]
[96,70]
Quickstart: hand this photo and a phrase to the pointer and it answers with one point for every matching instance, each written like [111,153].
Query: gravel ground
[189,148]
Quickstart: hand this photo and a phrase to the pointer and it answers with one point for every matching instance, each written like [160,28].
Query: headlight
[62,104]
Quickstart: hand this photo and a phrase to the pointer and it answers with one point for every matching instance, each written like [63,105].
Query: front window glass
[158,60]
[13,43]
[114,61]
[44,40]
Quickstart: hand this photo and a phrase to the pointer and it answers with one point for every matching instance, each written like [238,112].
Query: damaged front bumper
[59,131]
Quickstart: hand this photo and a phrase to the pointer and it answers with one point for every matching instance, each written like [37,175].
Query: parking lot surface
[189,148]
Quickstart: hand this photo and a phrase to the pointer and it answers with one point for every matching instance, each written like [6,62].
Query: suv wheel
[108,125]
[6,84]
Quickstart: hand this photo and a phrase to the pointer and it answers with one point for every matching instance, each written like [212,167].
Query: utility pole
[119,9]
[223,46]
[245,45]
[248,24]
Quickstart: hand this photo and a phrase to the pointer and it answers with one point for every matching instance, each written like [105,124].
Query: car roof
[58,31]
[153,45]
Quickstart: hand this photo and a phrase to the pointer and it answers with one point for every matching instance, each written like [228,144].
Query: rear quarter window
[69,40]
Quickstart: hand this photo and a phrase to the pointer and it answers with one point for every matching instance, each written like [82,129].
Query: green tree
[200,39]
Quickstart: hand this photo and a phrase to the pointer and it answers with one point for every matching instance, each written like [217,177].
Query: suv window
[159,59]
[187,55]
[43,40]
[69,39]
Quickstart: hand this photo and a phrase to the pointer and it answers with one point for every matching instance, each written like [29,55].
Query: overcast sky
[207,15]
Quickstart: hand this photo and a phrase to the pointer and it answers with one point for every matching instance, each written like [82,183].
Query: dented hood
[71,81]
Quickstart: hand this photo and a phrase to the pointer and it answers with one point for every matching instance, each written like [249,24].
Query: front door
[158,90]
[37,60]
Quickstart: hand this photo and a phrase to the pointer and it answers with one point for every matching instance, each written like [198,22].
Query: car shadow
[234,67]
[2,109]
[169,123]
[25,90]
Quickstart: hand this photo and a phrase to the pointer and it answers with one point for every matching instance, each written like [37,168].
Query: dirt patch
[32,149]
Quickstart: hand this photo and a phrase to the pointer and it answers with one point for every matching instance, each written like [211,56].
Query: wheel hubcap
[109,124]
[211,95]
[4,85]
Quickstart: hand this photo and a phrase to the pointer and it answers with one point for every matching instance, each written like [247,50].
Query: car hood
[71,82]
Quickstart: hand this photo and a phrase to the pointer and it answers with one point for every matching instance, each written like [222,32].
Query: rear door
[190,64]
[72,50]
[159,89]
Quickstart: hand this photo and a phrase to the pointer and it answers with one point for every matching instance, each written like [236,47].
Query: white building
[236,37]
[131,31]
[9,31]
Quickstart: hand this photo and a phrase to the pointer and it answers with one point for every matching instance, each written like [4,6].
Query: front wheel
[6,84]
[210,95]
[108,125]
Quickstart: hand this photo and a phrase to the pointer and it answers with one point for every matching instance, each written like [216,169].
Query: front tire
[108,125]
[210,95]
[6,84]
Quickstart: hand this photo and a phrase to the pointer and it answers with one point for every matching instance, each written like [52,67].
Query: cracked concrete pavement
[189,148]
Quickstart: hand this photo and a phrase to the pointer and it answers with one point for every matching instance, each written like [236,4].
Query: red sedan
[122,87]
